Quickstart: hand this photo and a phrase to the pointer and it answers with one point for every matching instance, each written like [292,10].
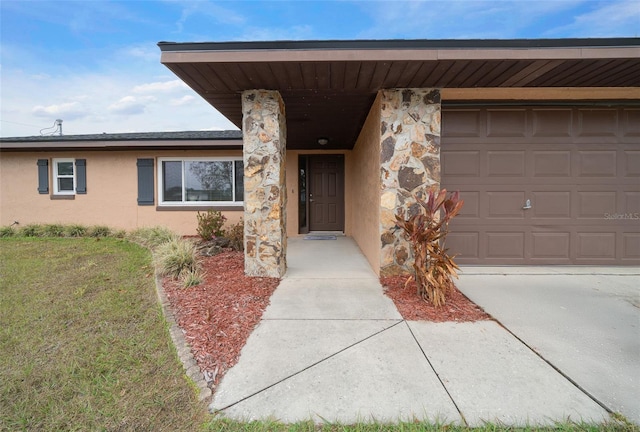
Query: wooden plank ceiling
[332,98]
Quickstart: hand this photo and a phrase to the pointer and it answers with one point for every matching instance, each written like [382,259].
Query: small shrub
[426,231]
[99,231]
[31,230]
[191,278]
[119,234]
[176,258]
[152,237]
[53,230]
[210,224]
[75,230]
[7,231]
[235,234]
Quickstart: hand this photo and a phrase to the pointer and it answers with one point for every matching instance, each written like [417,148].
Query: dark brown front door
[326,193]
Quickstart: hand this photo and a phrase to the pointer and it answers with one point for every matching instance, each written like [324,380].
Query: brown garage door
[544,185]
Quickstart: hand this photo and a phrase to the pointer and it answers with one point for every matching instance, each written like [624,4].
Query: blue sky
[96,65]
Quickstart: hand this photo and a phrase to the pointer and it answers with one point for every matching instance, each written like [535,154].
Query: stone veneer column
[410,165]
[264,146]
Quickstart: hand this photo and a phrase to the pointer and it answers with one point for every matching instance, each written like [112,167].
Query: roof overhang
[328,86]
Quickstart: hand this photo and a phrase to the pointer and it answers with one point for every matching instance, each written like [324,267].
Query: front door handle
[527,205]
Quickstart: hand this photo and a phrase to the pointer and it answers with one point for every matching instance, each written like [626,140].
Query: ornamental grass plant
[152,237]
[177,258]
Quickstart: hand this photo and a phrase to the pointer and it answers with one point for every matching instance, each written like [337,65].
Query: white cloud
[101,102]
[184,100]
[160,86]
[128,105]
[147,52]
[69,110]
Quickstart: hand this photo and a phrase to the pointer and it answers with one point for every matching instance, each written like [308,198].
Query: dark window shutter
[81,176]
[43,176]
[145,182]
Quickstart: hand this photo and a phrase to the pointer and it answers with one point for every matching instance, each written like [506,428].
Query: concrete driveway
[585,322]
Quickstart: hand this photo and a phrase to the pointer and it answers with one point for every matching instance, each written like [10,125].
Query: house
[112,179]
[542,138]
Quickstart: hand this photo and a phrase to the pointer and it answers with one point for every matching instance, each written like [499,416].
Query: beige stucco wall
[364,188]
[112,192]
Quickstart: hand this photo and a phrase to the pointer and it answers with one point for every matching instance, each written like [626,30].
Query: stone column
[264,143]
[410,165]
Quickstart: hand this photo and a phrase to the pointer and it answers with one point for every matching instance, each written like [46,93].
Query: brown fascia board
[398,50]
[219,144]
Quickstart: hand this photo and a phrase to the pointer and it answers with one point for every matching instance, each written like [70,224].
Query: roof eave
[397,50]
[217,144]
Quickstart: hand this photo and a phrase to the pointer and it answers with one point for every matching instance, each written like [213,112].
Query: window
[200,181]
[64,179]
[69,177]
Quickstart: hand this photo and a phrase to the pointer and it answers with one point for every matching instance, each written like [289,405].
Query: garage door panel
[595,205]
[506,245]
[465,244]
[552,123]
[506,123]
[632,164]
[597,163]
[505,163]
[632,205]
[506,204]
[597,122]
[471,206]
[463,123]
[461,164]
[596,245]
[631,246]
[552,163]
[550,204]
[547,245]
[631,123]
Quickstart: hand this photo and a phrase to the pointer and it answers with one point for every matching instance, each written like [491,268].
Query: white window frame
[56,176]
[184,202]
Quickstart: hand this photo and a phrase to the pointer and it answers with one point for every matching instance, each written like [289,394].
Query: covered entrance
[321,185]
[549,187]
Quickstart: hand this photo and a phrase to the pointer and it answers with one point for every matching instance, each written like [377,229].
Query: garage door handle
[527,205]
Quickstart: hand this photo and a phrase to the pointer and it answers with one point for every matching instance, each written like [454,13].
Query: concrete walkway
[332,347]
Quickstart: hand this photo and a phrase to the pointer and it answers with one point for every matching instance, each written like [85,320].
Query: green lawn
[83,342]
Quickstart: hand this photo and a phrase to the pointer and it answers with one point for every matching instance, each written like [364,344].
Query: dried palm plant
[426,231]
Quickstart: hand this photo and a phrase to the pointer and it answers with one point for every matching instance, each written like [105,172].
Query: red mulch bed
[218,315]
[457,308]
